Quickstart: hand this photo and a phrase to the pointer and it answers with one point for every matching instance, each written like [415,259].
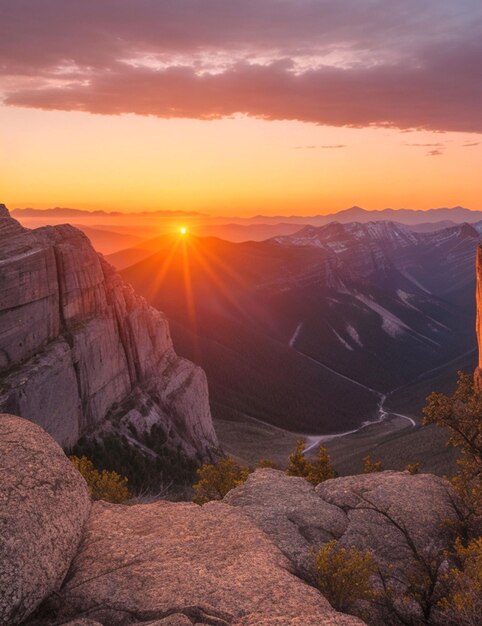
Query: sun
[183,230]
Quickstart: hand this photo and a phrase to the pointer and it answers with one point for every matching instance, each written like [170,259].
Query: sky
[241,107]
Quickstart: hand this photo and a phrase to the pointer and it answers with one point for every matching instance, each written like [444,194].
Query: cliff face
[81,353]
[478,298]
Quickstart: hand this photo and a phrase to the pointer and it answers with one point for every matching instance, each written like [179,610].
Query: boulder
[407,522]
[290,512]
[395,514]
[44,503]
[175,564]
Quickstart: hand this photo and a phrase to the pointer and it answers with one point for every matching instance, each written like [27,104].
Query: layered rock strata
[81,353]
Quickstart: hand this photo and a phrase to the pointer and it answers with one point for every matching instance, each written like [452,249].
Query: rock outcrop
[355,510]
[44,503]
[246,561]
[165,563]
[179,563]
[291,513]
[81,353]
[406,521]
[478,298]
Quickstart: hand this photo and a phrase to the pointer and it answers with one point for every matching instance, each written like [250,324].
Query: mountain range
[134,236]
[311,331]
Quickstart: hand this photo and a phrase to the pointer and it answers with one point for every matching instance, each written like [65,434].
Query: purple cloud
[348,63]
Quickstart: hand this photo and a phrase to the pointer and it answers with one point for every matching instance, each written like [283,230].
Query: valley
[334,333]
[318,333]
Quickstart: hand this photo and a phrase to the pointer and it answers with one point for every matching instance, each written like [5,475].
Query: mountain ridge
[361,313]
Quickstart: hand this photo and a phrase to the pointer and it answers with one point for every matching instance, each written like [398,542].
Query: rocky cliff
[478,298]
[245,561]
[82,354]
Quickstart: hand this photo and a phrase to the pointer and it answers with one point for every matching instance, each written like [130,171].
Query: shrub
[314,472]
[263,463]
[298,465]
[344,575]
[215,480]
[370,466]
[104,485]
[463,602]
[461,414]
[413,468]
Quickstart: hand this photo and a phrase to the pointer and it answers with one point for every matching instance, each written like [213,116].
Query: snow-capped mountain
[329,318]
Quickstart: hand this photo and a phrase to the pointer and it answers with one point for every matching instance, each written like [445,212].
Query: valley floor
[397,440]
[394,441]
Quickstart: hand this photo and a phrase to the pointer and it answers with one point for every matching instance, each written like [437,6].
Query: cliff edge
[248,560]
[478,297]
[82,354]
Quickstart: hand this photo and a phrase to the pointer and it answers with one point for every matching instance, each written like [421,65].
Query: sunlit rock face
[80,352]
[478,371]
[44,503]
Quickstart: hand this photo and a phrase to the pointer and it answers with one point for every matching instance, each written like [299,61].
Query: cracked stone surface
[402,519]
[44,503]
[361,511]
[177,564]
[388,509]
[291,513]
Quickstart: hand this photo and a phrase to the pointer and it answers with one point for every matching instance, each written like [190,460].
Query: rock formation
[401,519]
[246,561]
[171,564]
[478,297]
[81,353]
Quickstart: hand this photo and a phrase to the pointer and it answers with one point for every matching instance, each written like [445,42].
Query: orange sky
[240,108]
[233,166]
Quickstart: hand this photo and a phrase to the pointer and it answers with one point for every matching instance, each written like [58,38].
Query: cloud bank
[347,63]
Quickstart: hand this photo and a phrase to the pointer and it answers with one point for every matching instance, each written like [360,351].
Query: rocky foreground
[82,354]
[246,561]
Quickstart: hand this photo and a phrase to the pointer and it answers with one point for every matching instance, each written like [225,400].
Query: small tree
[215,480]
[104,485]
[321,469]
[314,472]
[461,414]
[298,464]
[344,575]
[370,466]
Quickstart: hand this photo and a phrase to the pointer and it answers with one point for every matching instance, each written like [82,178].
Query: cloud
[425,145]
[471,145]
[434,152]
[334,147]
[347,63]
